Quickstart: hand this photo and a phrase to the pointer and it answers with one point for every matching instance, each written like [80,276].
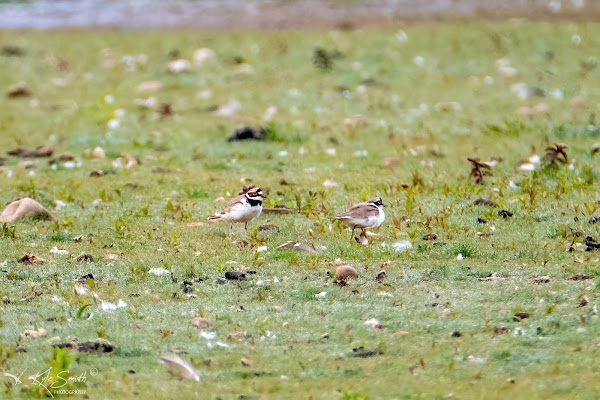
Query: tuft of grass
[466,250]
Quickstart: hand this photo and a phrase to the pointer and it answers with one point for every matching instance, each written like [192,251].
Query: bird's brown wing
[361,210]
[236,200]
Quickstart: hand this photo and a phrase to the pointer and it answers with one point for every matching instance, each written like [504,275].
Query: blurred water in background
[271,14]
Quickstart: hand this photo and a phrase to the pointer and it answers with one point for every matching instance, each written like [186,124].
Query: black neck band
[254,202]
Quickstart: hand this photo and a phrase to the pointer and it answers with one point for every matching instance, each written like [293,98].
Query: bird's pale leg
[246,226]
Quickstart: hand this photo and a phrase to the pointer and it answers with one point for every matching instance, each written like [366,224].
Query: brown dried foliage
[479,170]
[556,154]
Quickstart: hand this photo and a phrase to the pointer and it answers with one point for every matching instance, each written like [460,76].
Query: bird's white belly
[380,218]
[369,222]
[242,213]
[374,221]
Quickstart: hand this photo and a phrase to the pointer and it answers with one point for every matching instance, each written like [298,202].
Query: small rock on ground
[26,207]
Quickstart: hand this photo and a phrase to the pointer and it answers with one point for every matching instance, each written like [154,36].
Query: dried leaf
[30,259]
[246,362]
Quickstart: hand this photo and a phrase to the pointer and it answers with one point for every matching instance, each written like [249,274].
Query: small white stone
[80,290]
[557,94]
[502,62]
[521,90]
[107,306]
[402,245]
[56,250]
[229,109]
[179,66]
[159,271]
[205,94]
[148,103]
[203,55]
[476,360]
[321,295]
[526,167]
[402,36]
[114,123]
[518,331]
[269,113]
[208,335]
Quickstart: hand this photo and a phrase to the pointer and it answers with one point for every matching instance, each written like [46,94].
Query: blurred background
[277,14]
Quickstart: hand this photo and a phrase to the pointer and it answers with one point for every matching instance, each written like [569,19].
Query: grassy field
[424,99]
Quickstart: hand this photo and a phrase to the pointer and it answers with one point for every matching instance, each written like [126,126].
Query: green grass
[140,219]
